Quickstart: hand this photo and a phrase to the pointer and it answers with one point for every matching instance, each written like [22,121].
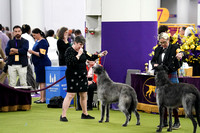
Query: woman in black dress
[62,45]
[76,76]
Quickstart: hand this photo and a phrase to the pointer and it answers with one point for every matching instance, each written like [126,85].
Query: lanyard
[16,43]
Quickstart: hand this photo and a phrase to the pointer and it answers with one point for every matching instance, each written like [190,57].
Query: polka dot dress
[76,73]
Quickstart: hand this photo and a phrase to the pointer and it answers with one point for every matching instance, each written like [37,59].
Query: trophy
[146,67]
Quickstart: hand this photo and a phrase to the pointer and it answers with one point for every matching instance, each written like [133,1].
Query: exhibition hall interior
[84,66]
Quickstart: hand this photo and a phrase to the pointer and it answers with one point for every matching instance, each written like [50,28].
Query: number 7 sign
[162,14]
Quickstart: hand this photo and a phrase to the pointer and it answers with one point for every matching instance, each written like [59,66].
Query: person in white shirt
[52,53]
[26,31]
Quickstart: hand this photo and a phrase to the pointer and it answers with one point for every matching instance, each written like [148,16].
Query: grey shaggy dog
[173,95]
[111,92]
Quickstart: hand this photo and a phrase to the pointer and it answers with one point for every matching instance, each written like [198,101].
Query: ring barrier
[6,86]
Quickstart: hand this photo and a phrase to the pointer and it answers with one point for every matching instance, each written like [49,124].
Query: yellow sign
[162,14]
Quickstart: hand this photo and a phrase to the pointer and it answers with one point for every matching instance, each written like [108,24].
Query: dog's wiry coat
[111,92]
[173,95]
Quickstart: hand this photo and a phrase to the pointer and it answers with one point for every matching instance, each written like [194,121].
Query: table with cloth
[144,86]
[13,100]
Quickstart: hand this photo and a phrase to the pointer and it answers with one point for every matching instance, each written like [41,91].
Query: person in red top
[92,83]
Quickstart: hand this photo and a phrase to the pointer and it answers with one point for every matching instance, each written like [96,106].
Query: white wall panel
[148,10]
[198,15]
[93,7]
[129,10]
[171,5]
[5,13]
[28,12]
[183,11]
[33,13]
[68,13]
[16,12]
[193,15]
[121,10]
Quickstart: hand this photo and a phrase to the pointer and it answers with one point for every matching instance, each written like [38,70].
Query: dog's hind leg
[126,113]
[130,112]
[107,112]
[193,122]
[197,111]
[137,116]
[170,120]
[188,102]
[161,112]
[102,112]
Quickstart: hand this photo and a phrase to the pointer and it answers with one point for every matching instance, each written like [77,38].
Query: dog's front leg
[161,110]
[170,120]
[102,112]
[107,112]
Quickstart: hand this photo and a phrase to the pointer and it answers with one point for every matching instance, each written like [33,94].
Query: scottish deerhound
[111,92]
[173,95]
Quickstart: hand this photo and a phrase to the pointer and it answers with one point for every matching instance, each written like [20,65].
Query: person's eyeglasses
[162,43]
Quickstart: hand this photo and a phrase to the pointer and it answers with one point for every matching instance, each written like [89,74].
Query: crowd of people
[25,53]
[25,47]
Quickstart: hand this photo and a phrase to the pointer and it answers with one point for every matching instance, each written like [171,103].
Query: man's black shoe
[83,116]
[64,119]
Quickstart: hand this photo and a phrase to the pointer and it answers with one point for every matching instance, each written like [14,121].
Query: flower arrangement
[190,45]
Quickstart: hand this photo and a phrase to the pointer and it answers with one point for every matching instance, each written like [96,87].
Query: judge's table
[144,86]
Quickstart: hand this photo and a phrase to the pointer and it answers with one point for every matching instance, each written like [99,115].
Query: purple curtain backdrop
[128,45]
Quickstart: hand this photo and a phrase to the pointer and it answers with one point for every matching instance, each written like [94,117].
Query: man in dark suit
[170,56]
[16,51]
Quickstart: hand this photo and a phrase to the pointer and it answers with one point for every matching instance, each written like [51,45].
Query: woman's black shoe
[38,101]
[64,119]
[83,116]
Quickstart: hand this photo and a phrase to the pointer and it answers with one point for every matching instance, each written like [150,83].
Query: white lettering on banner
[53,89]
[64,88]
[63,85]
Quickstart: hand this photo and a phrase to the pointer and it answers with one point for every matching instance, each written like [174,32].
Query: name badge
[16,57]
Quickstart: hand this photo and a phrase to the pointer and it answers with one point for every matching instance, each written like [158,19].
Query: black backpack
[55,102]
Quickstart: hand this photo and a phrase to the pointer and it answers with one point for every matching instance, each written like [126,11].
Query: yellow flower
[192,46]
[152,53]
[198,48]
[155,47]
[175,40]
[185,47]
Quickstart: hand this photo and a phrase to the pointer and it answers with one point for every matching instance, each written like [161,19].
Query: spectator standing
[62,45]
[182,32]
[77,33]
[16,51]
[4,39]
[52,48]
[26,31]
[40,60]
[92,83]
